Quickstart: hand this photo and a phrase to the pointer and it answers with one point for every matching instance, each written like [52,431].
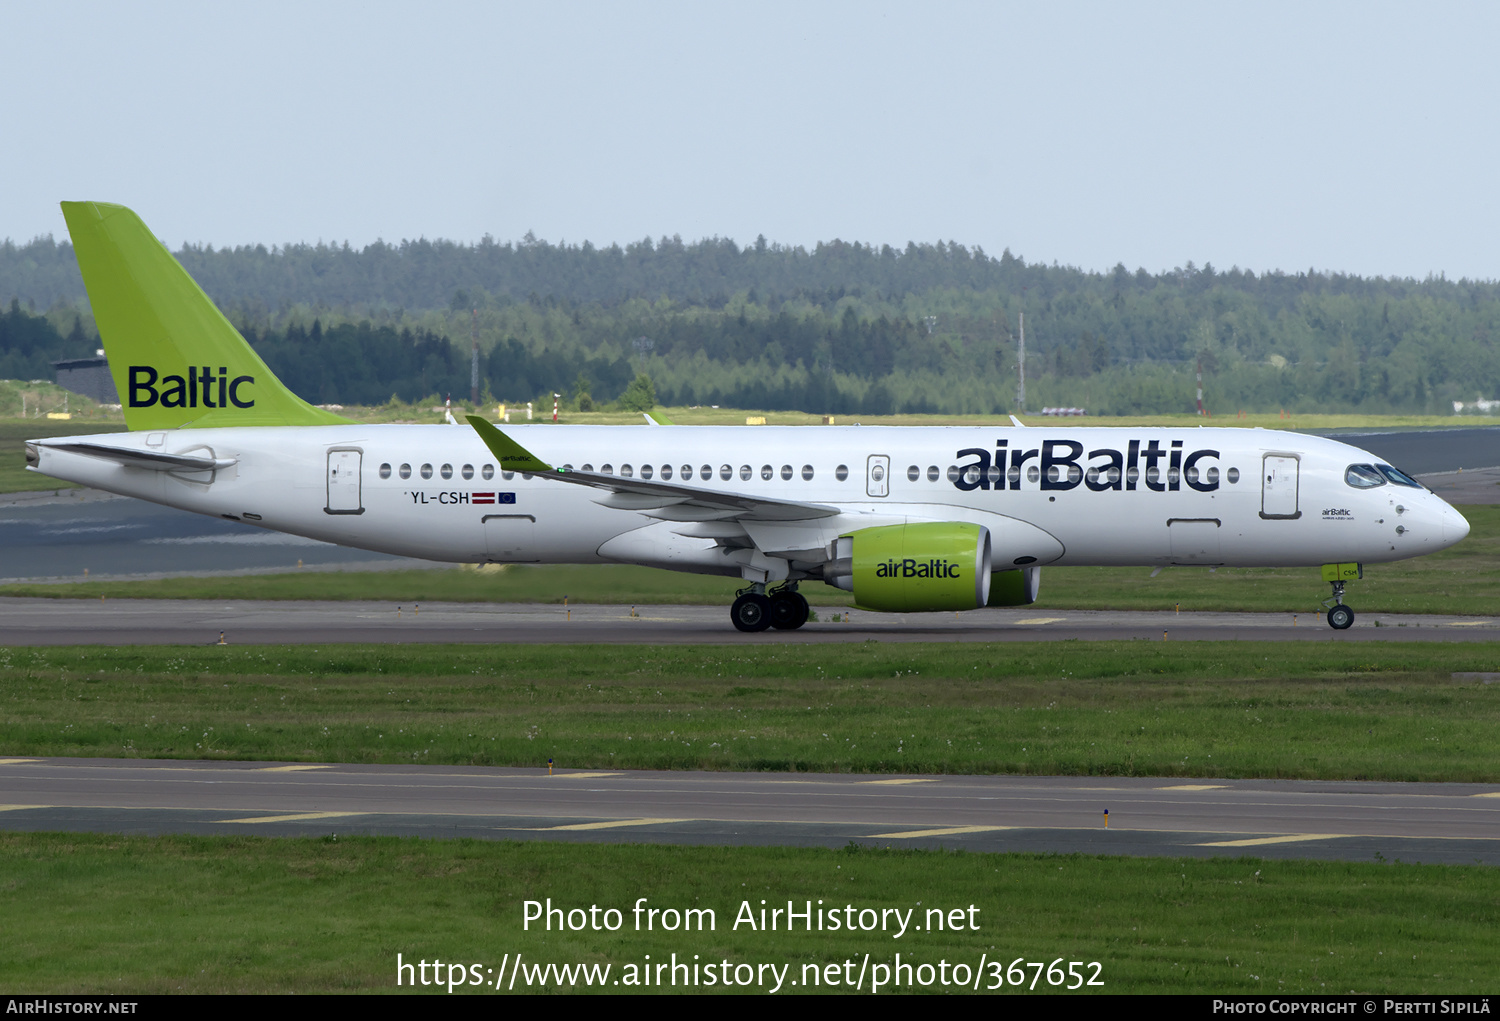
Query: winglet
[512,456]
[1017,422]
[657,418]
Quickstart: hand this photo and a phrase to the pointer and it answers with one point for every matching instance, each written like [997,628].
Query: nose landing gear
[1340,616]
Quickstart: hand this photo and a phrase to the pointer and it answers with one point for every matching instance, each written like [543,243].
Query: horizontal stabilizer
[148,459]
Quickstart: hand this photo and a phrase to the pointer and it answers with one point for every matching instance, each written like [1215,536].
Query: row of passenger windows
[1361,476]
[1070,473]
[666,472]
[706,472]
[446,471]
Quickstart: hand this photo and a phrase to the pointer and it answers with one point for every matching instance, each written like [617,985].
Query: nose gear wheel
[1340,617]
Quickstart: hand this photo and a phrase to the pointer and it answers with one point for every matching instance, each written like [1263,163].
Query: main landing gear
[784,608]
[1340,616]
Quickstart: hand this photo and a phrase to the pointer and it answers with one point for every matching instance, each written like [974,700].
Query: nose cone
[1455,525]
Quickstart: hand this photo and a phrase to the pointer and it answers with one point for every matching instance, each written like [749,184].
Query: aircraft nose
[1455,525]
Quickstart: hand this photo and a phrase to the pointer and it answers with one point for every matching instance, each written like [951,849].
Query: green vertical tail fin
[176,361]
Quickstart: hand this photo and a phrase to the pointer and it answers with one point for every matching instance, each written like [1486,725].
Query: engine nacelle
[928,565]
[1015,587]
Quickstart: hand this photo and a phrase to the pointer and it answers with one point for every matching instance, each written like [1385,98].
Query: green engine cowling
[929,565]
[1016,587]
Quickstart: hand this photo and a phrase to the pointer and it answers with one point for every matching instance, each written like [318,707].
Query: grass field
[1462,580]
[14,478]
[1249,709]
[112,914]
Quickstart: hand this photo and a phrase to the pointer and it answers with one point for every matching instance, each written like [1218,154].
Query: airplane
[905,519]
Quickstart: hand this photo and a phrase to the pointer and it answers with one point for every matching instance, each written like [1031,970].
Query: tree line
[837,328]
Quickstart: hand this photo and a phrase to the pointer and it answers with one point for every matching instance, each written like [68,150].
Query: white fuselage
[1057,494]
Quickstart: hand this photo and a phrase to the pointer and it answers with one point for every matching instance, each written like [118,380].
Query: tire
[1340,618]
[788,611]
[751,613]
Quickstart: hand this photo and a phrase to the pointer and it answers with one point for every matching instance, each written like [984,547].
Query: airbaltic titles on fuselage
[1057,466]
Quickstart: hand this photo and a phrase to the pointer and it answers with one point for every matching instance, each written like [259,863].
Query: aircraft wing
[646,494]
[148,459]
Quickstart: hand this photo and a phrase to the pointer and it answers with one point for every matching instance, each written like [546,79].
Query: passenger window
[953,473]
[1014,475]
[447,471]
[587,468]
[766,471]
[468,471]
[426,471]
[1213,476]
[807,473]
[932,473]
[1172,476]
[487,472]
[507,476]
[786,472]
[646,471]
[706,473]
[1233,475]
[994,474]
[726,472]
[385,471]
[666,472]
[1033,473]
[841,472]
[744,473]
[1132,475]
[405,471]
[971,474]
[913,473]
[607,469]
[1153,474]
[626,471]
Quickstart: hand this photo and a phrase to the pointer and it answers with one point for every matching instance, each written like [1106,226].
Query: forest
[838,328]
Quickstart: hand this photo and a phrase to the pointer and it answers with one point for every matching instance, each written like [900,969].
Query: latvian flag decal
[492,497]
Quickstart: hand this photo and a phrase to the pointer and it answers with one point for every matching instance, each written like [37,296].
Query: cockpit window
[1363,476]
[1400,477]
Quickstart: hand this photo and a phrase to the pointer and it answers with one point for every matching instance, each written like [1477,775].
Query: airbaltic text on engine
[909,568]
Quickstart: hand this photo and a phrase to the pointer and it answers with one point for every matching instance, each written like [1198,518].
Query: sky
[1350,137]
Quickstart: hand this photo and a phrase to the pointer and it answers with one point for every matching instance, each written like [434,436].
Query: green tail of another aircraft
[176,361]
